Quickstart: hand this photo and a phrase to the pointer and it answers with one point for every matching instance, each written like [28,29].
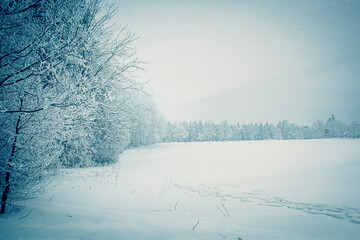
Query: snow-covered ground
[305,189]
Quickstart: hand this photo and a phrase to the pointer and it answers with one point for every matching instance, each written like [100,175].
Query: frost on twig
[224,212]
[163,189]
[27,214]
[196,225]
[51,197]
[227,212]
[176,205]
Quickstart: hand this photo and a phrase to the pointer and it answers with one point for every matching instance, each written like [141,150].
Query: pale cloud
[199,51]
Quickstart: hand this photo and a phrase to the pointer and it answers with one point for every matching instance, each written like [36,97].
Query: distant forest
[198,131]
[70,97]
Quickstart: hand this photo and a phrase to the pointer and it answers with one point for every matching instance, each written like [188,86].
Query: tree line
[198,131]
[69,96]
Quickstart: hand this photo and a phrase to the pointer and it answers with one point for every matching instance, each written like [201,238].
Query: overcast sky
[249,60]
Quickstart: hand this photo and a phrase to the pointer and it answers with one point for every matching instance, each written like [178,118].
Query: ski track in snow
[348,214]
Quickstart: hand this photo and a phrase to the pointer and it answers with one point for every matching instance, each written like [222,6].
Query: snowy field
[305,189]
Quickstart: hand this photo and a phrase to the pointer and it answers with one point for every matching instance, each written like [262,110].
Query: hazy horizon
[249,61]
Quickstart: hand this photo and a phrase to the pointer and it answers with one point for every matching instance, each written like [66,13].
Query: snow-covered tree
[318,129]
[38,39]
[66,90]
[197,131]
[354,129]
[335,128]
[148,127]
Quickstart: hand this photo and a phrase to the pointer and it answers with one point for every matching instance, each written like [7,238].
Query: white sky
[249,60]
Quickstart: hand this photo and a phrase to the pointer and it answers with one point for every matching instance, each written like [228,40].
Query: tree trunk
[5,193]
